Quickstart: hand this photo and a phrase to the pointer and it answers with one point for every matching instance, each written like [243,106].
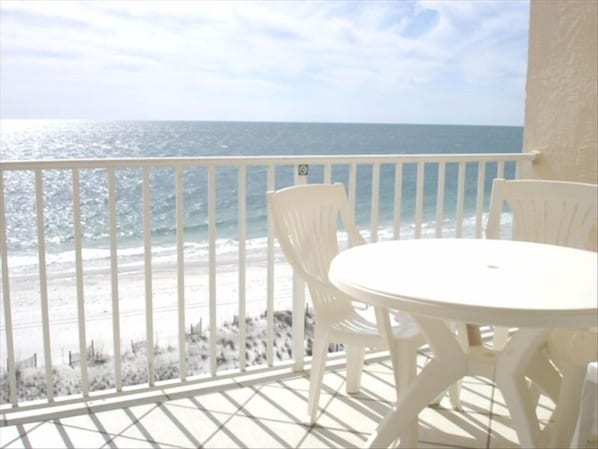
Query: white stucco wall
[561,108]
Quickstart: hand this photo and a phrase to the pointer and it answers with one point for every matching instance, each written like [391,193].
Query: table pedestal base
[507,368]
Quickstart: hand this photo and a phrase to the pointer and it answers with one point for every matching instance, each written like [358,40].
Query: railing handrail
[260,160]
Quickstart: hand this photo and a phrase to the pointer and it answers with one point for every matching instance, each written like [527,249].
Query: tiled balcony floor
[271,415]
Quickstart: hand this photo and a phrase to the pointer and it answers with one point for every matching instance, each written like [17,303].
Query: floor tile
[176,426]
[241,431]
[323,438]
[82,438]
[502,435]
[376,385]
[22,430]
[454,429]
[17,443]
[10,439]
[592,444]
[48,435]
[353,414]
[111,422]
[136,443]
[544,409]
[10,435]
[228,401]
[475,398]
[279,403]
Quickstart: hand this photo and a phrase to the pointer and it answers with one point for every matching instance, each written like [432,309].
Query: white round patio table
[530,286]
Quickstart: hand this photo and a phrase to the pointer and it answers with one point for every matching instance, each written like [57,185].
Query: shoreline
[26,307]
[25,297]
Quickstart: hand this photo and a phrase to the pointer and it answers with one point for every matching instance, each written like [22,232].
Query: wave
[164,252]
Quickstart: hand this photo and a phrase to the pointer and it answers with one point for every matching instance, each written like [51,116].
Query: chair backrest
[555,212]
[306,222]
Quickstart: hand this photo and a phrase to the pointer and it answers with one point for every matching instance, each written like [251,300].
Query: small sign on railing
[302,169]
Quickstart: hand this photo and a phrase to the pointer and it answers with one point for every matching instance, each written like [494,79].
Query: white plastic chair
[572,351]
[588,409]
[558,213]
[554,212]
[305,220]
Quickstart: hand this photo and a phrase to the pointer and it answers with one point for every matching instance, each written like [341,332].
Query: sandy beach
[62,299]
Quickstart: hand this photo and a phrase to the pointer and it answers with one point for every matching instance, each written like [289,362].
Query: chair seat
[357,329]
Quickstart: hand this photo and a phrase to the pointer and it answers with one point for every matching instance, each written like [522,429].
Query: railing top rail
[260,160]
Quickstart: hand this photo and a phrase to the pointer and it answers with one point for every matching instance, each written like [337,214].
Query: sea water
[44,140]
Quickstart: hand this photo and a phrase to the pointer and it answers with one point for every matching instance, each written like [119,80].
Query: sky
[429,62]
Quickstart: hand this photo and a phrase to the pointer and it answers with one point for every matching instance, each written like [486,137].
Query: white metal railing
[322,169]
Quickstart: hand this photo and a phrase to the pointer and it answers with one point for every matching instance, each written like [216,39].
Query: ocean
[44,140]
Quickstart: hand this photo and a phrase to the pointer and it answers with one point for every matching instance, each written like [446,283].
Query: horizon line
[290,122]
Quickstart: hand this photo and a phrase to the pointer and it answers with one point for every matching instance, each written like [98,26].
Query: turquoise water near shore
[45,140]
[35,140]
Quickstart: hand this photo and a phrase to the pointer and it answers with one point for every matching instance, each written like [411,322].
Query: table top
[499,282]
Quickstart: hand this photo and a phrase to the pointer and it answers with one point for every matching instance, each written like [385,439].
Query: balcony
[260,398]
[270,413]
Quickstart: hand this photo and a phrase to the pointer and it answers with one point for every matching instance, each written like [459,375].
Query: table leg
[404,364]
[567,409]
[543,373]
[448,365]
[511,368]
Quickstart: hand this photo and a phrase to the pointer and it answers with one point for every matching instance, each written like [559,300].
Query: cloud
[259,49]
[40,19]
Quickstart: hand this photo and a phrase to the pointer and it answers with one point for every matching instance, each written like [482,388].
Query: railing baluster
[500,169]
[460,200]
[212,263]
[43,283]
[440,199]
[147,261]
[270,277]
[114,279]
[79,277]
[375,200]
[10,346]
[327,173]
[480,199]
[242,262]
[180,252]
[352,185]
[398,200]
[419,200]
[298,307]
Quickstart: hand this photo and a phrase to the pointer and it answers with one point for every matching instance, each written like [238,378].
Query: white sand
[26,307]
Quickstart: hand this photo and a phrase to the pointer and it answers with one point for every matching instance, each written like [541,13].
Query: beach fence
[196,330]
[29,362]
[406,189]
[93,356]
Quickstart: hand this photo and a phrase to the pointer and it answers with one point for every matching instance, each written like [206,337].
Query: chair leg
[405,354]
[511,366]
[454,390]
[355,355]
[454,393]
[499,340]
[318,364]
[589,399]
[568,405]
